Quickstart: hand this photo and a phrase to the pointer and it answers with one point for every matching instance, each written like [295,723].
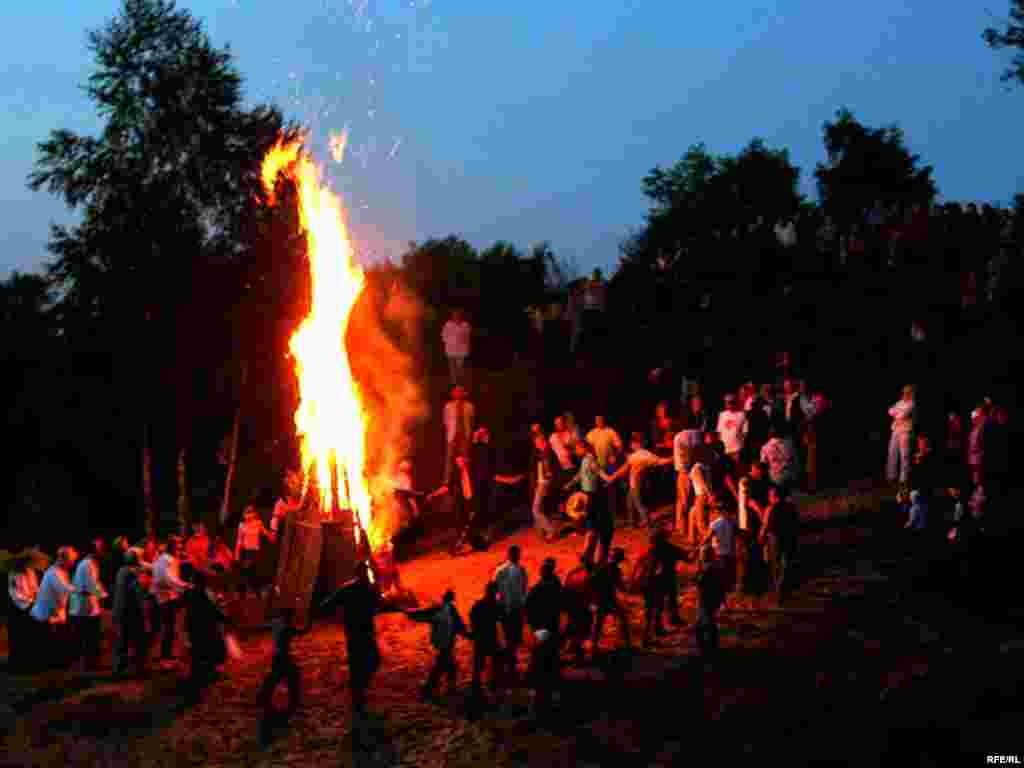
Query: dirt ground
[858,668]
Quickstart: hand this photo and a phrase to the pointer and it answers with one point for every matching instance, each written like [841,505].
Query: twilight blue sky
[536,120]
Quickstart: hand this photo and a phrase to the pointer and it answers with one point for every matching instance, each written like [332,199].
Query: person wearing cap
[902,415]
[445,627]
[129,614]
[606,584]
[359,599]
[732,427]
[544,606]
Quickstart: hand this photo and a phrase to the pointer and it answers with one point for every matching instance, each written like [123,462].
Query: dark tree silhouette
[1010,36]
[166,192]
[867,165]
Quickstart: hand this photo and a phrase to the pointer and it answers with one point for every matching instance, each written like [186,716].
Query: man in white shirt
[902,415]
[638,462]
[513,586]
[86,606]
[732,427]
[604,439]
[22,587]
[563,443]
[683,447]
[457,335]
[459,422]
[51,608]
[167,589]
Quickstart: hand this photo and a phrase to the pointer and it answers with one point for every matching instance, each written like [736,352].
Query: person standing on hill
[457,335]
[902,415]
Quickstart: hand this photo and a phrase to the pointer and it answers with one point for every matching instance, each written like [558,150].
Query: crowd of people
[727,477]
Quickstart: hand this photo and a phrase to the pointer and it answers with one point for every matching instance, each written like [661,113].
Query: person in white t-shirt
[457,335]
[721,536]
[605,440]
[732,427]
[86,606]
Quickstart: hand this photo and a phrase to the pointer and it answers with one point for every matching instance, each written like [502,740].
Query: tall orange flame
[331,419]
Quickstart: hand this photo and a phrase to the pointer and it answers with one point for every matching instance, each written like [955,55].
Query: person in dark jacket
[359,599]
[129,615]
[578,606]
[203,620]
[711,593]
[779,535]
[544,605]
[445,627]
[282,666]
[484,618]
[606,584]
[662,589]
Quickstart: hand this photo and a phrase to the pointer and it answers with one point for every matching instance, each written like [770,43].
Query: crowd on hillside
[728,476]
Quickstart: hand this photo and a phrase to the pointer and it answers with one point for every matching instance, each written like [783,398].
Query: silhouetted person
[512,582]
[359,599]
[129,615]
[484,619]
[283,666]
[203,620]
[544,607]
[607,583]
[445,627]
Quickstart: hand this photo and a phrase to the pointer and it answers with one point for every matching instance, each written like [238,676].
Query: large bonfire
[332,418]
